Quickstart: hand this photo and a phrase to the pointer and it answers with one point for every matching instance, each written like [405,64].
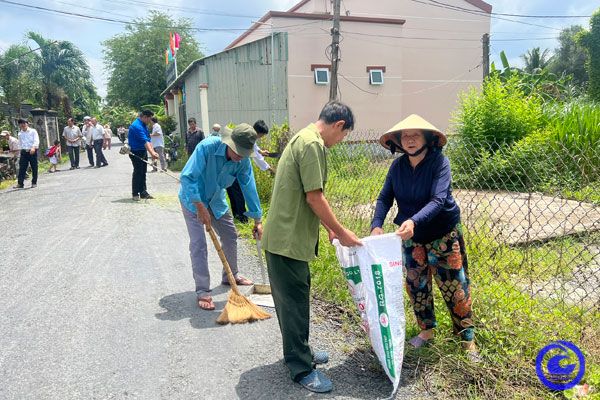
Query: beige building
[397,57]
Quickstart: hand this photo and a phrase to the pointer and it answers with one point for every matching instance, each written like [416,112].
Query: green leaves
[135,59]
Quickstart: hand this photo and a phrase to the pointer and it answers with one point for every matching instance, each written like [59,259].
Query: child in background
[54,156]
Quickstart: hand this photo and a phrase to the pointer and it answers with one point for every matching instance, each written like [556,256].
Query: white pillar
[204,107]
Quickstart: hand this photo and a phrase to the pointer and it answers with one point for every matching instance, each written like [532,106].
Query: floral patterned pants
[445,260]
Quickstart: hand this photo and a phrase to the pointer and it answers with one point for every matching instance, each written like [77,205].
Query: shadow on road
[183,305]
[350,380]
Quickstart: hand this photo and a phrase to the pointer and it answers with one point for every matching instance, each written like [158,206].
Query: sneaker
[320,357]
[316,382]
[135,198]
[33,185]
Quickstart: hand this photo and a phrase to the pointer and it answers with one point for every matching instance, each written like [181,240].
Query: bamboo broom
[238,309]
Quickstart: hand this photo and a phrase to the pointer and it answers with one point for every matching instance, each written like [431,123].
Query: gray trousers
[161,156]
[225,228]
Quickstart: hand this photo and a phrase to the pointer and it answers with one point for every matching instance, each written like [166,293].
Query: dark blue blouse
[423,194]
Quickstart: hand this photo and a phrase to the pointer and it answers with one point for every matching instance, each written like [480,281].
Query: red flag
[172,43]
[177,40]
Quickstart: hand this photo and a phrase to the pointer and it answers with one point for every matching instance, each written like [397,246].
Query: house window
[376,77]
[321,76]
[376,74]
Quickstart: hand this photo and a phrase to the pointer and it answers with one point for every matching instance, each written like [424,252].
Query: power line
[483,13]
[186,9]
[112,20]
[27,52]
[512,15]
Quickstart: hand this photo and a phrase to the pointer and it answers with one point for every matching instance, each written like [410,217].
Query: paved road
[97,302]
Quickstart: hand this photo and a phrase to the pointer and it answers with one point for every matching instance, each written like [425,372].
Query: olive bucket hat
[241,139]
[413,121]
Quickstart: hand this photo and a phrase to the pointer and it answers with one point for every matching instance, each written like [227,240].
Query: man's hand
[348,238]
[406,230]
[203,215]
[32,151]
[154,154]
[377,231]
[257,231]
[331,235]
[264,153]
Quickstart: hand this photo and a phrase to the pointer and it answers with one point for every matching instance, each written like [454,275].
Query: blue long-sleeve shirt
[423,194]
[208,173]
[138,135]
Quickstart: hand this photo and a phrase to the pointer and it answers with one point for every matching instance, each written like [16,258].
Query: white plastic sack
[376,282]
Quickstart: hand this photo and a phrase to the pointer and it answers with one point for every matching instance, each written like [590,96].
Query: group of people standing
[94,137]
[428,218]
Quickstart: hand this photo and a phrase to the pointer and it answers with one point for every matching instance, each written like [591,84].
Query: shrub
[500,114]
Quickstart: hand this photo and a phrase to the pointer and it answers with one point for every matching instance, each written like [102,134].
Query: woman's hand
[377,231]
[406,230]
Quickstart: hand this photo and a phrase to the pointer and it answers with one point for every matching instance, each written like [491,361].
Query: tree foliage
[19,76]
[65,74]
[56,76]
[536,59]
[136,59]
[590,40]
[570,58]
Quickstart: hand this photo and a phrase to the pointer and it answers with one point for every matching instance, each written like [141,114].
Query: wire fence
[532,228]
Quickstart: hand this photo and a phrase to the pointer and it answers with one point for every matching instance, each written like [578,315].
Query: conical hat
[413,121]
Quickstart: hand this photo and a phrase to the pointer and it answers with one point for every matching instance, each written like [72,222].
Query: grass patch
[180,163]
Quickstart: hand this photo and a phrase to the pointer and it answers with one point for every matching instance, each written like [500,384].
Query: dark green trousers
[290,287]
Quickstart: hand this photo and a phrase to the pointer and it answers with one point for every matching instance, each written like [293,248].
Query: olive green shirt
[292,228]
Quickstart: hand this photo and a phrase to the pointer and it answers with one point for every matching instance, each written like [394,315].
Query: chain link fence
[532,219]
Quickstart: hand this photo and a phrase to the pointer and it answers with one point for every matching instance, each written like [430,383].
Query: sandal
[206,303]
[417,342]
[240,280]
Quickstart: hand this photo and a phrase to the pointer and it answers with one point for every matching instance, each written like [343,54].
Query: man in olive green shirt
[291,236]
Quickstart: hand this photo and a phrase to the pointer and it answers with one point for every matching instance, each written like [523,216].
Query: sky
[238,15]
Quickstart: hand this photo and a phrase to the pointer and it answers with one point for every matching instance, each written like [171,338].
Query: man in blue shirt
[213,166]
[140,144]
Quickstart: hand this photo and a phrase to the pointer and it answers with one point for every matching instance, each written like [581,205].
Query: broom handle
[226,266]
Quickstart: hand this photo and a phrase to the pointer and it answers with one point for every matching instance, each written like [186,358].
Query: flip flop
[206,303]
[417,342]
[240,280]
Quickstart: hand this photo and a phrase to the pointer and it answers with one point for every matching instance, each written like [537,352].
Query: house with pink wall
[398,57]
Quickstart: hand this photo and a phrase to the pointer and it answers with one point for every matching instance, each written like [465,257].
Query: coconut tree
[536,59]
[65,73]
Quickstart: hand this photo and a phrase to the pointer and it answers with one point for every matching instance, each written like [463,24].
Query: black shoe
[33,185]
[104,165]
[18,187]
[146,196]
[135,197]
[77,167]
[242,218]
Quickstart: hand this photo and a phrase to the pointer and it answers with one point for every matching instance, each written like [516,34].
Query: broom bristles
[239,310]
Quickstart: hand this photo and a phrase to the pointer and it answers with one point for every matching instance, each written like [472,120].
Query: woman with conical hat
[429,225]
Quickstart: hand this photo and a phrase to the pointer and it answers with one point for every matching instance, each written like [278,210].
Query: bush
[500,114]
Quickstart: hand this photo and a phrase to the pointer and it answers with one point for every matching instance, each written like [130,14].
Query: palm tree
[65,73]
[536,59]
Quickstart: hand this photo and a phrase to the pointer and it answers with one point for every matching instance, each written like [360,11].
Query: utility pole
[485,63]
[335,44]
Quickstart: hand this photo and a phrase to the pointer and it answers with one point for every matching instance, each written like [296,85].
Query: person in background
[262,130]
[216,130]
[13,149]
[107,137]
[98,136]
[158,143]
[140,145]
[193,136]
[89,140]
[429,224]
[72,135]
[291,237]
[29,142]
[54,155]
